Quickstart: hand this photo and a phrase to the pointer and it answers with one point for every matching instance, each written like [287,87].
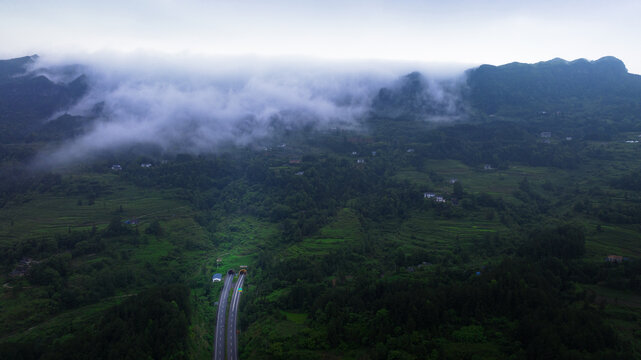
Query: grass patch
[38,215]
[344,228]
[296,318]
[240,240]
[613,240]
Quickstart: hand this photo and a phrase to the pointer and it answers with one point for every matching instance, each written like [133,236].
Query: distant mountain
[600,86]
[9,69]
[415,96]
[27,100]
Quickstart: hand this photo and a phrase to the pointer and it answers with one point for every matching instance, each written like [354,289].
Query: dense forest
[510,232]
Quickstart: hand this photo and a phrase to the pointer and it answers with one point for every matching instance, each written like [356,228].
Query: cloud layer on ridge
[195,105]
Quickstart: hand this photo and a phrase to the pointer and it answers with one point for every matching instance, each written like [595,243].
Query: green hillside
[480,238]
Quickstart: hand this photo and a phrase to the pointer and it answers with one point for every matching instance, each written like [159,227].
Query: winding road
[219,344]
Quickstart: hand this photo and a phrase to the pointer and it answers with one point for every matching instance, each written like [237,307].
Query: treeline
[523,307]
[501,144]
[151,325]
[75,243]
[301,197]
[631,181]
[16,181]
[67,282]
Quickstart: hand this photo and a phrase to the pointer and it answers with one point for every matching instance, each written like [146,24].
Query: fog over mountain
[89,106]
[196,105]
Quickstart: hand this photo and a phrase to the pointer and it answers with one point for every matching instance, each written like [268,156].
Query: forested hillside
[602,87]
[483,234]
[28,99]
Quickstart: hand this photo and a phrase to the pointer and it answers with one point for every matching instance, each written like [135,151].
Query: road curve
[232,339]
[219,339]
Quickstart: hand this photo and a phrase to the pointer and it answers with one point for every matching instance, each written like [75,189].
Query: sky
[454,31]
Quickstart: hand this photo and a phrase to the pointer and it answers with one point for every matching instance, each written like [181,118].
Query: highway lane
[232,339]
[219,339]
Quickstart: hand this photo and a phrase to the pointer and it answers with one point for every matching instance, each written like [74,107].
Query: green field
[36,215]
[465,237]
[344,229]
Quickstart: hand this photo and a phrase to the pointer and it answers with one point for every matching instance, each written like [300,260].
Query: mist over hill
[28,99]
[191,106]
[382,211]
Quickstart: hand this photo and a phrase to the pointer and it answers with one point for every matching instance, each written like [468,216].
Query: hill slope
[27,100]
[603,85]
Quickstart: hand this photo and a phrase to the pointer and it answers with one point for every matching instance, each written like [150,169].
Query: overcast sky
[462,31]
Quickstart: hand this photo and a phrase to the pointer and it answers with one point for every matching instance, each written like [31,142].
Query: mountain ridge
[602,87]
[555,85]
[28,99]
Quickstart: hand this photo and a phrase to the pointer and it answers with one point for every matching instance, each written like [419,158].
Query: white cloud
[196,104]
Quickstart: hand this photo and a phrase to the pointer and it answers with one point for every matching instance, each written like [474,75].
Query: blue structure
[217,277]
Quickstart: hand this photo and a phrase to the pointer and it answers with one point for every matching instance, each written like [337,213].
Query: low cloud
[196,105]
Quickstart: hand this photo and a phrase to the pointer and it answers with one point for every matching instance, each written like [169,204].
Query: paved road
[232,340]
[219,342]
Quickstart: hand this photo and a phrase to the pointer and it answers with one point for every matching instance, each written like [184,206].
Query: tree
[154,229]
[566,241]
[116,227]
[457,189]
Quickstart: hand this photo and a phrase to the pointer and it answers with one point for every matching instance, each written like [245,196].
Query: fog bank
[194,104]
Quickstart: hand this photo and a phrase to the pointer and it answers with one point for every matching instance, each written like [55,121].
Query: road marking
[219,345]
